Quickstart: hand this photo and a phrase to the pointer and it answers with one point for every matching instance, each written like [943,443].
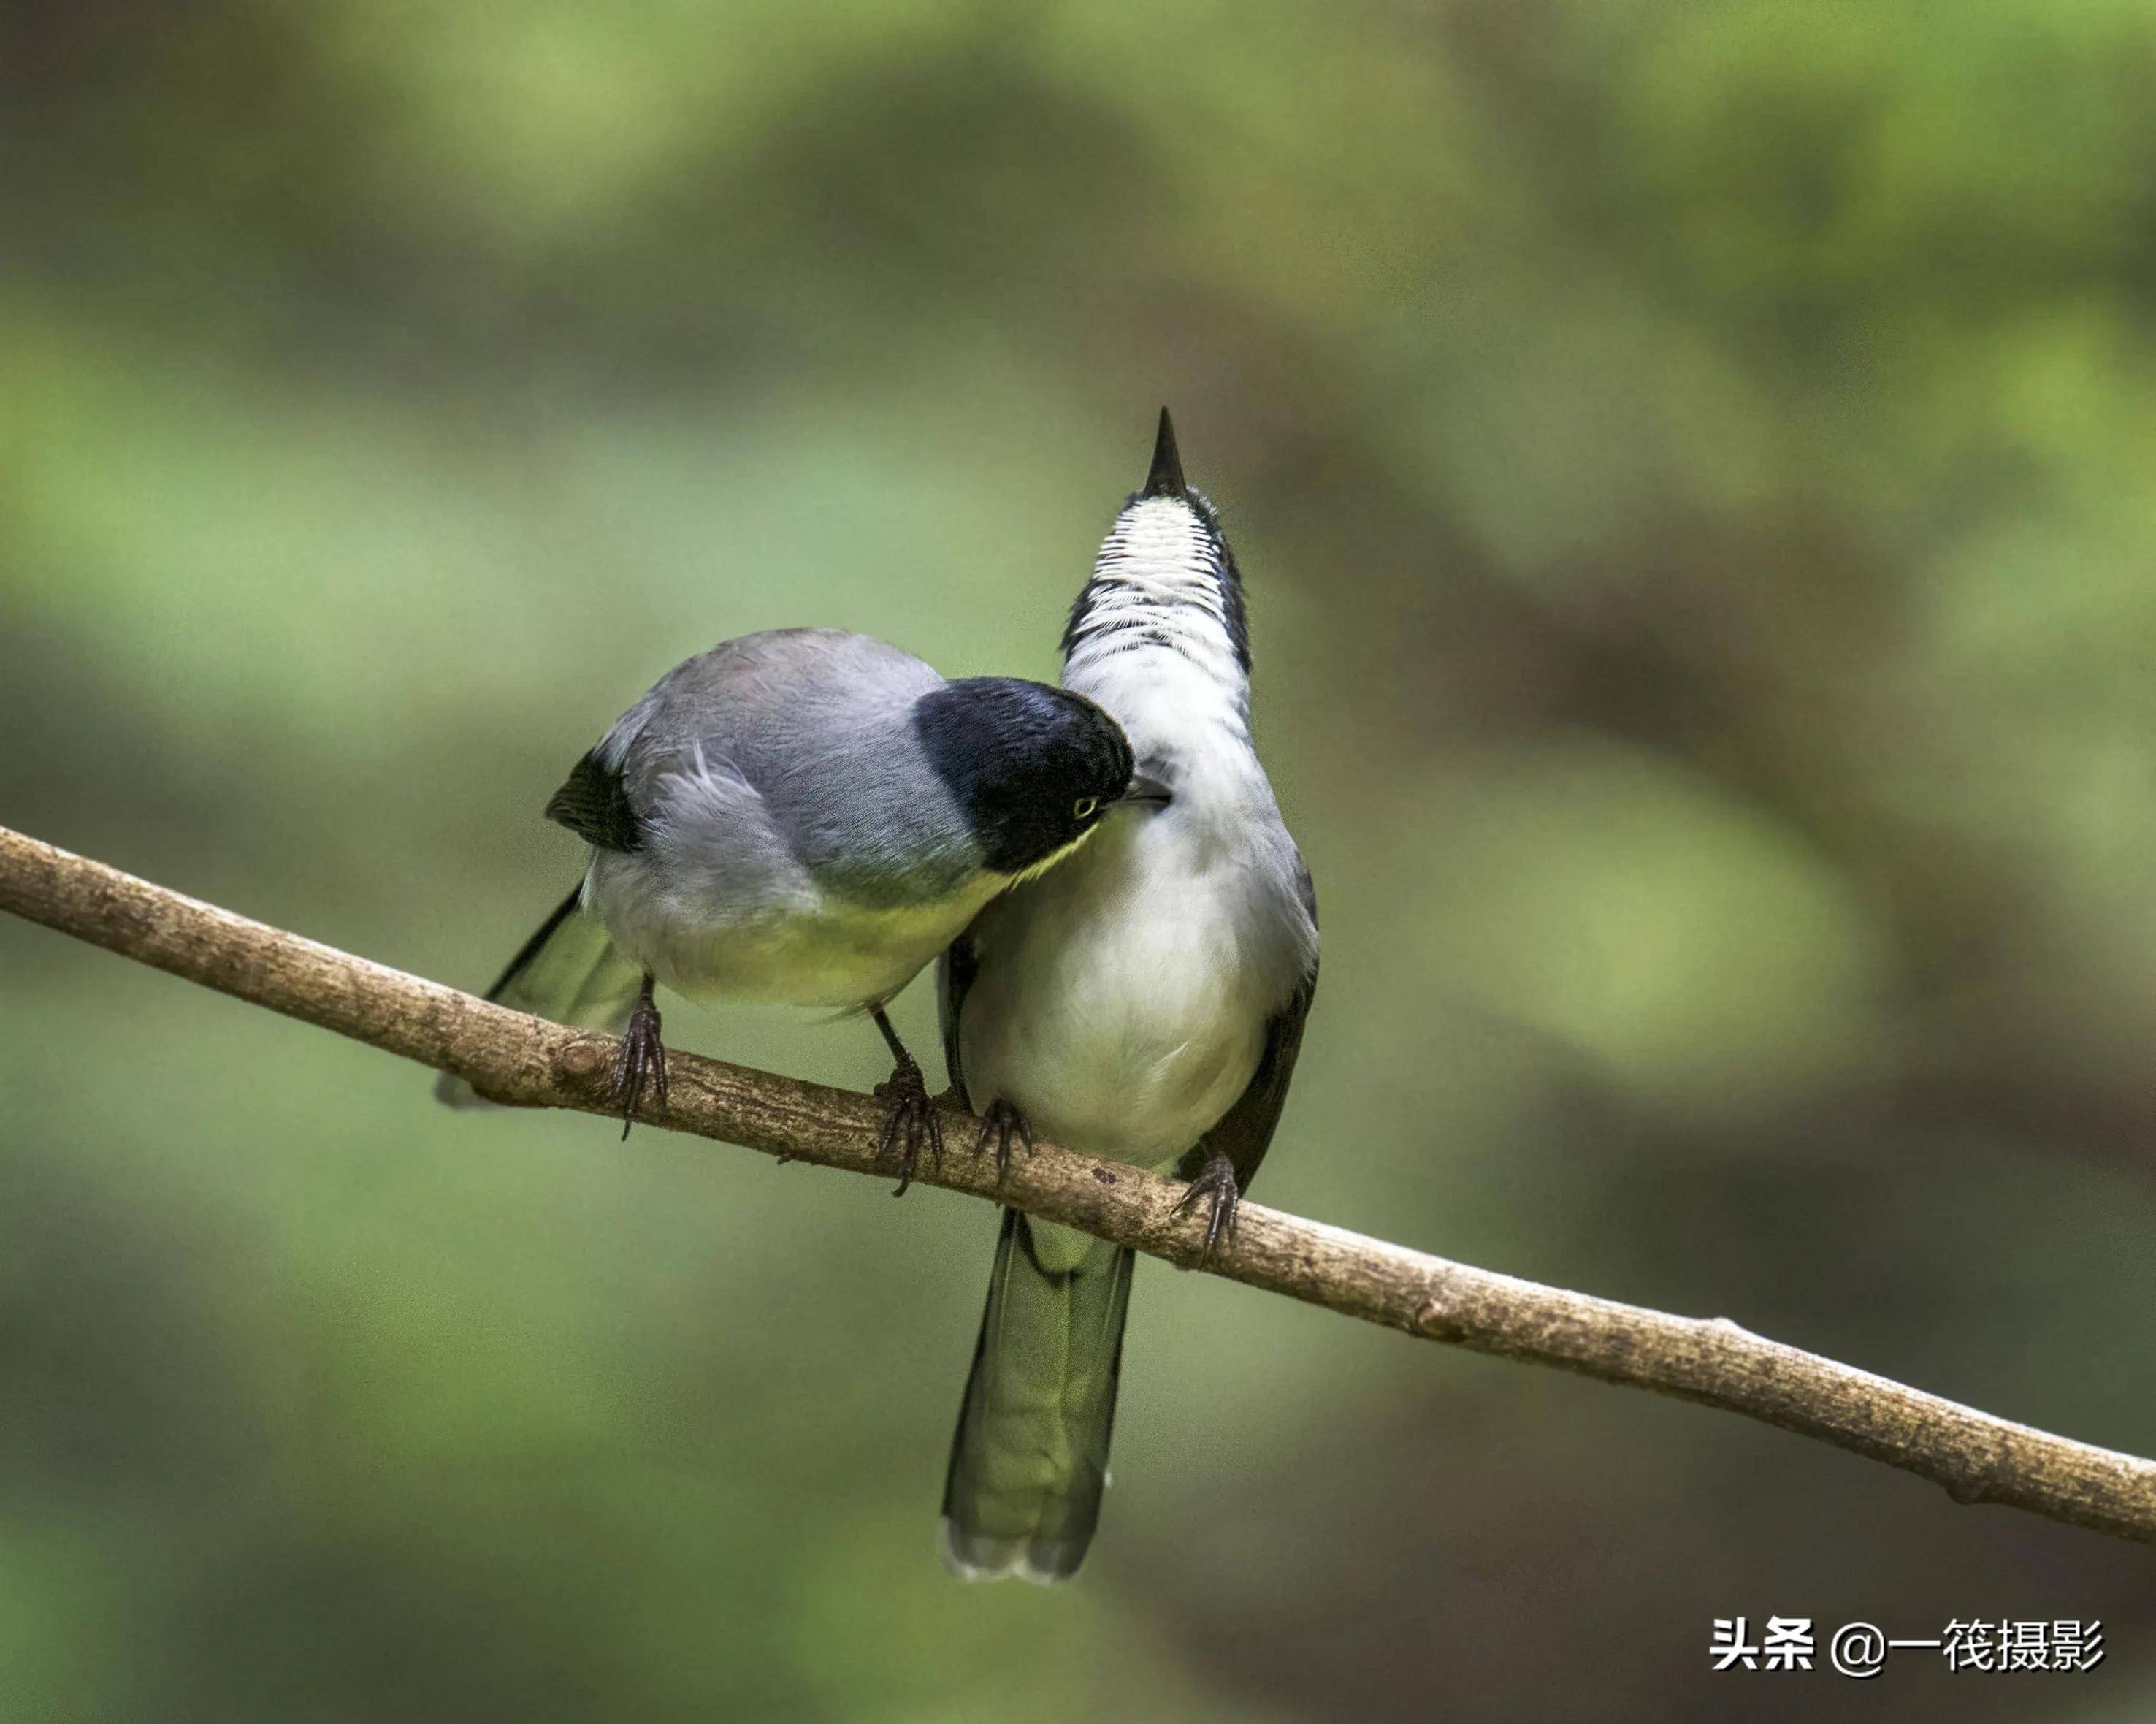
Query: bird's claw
[641,1063]
[909,1121]
[1001,1122]
[1216,1180]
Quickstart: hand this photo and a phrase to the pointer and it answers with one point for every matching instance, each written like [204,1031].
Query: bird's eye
[1084,807]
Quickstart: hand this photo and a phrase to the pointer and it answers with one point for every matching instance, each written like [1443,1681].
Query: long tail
[568,972]
[1031,1458]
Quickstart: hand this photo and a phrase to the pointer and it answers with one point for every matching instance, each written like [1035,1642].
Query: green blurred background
[1690,466]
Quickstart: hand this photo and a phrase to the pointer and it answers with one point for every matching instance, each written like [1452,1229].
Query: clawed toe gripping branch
[1000,1125]
[641,1060]
[910,1122]
[1217,1187]
[513,1059]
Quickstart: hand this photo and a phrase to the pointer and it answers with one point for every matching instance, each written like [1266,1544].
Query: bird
[806,816]
[1145,1002]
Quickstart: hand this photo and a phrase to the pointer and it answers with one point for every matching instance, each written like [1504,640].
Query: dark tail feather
[1031,1458]
[568,972]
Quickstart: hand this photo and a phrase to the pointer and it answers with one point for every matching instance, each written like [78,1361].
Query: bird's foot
[1001,1122]
[1216,1180]
[641,1062]
[908,1120]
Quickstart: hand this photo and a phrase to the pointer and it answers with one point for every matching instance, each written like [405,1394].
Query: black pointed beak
[1165,477]
[1145,792]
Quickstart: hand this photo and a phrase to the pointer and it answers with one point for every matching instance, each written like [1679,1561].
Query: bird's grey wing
[674,759]
[816,723]
[955,971]
[1245,1130]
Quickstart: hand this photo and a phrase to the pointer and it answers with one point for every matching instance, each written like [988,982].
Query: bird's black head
[1034,768]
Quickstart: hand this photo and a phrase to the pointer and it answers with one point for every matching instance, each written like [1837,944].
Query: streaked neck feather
[1156,635]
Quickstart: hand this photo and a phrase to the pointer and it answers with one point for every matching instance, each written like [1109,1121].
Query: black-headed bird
[1144,1001]
[805,817]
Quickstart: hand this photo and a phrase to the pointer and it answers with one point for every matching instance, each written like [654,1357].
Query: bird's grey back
[817,723]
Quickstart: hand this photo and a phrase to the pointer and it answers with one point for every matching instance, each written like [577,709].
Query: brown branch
[514,1059]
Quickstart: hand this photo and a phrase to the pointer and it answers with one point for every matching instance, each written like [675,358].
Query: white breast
[1121,1000]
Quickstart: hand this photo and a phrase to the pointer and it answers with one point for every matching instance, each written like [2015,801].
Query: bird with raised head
[1144,1002]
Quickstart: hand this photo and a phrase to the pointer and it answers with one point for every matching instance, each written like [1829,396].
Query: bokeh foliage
[1690,463]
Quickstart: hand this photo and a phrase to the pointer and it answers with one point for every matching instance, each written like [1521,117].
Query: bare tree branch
[514,1059]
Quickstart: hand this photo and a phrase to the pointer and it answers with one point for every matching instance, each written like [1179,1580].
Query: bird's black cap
[1165,477]
[1022,759]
